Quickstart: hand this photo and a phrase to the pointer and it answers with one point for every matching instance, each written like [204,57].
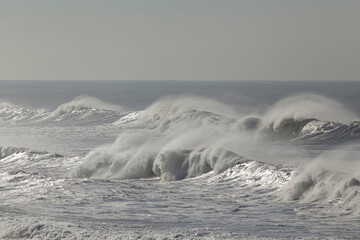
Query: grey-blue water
[179,160]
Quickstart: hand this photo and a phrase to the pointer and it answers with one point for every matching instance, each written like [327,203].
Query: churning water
[179,160]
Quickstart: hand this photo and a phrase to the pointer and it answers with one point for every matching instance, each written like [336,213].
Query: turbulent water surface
[179,160]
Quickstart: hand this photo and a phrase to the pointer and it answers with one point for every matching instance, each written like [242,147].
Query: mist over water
[131,156]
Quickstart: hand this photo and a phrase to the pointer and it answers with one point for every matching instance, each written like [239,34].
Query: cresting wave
[169,165]
[81,110]
[333,177]
[10,151]
[302,117]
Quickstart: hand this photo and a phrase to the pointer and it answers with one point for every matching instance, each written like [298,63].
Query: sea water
[179,160]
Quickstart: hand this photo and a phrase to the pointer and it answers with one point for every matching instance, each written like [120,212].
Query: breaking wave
[13,114]
[8,151]
[314,131]
[307,106]
[333,178]
[81,110]
[169,165]
[191,136]
[175,125]
[173,113]
[86,110]
[307,117]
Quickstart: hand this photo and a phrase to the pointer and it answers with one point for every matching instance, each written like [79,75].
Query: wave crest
[170,165]
[81,110]
[8,151]
[307,106]
[332,177]
[183,112]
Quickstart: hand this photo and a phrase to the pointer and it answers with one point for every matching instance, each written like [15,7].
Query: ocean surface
[179,160]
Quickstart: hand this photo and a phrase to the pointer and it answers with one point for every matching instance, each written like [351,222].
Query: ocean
[179,159]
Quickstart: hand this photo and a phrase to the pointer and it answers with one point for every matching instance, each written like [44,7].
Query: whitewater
[179,160]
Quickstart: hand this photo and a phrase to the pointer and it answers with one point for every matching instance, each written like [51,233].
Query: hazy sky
[180,39]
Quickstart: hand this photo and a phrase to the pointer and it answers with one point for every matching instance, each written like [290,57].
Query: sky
[180,39]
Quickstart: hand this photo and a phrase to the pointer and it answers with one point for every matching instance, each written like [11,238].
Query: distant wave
[14,114]
[81,110]
[86,110]
[314,131]
[307,106]
[300,116]
[297,117]
[176,113]
[81,103]
[306,116]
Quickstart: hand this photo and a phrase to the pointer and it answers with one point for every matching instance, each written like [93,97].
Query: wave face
[309,117]
[87,110]
[169,165]
[314,131]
